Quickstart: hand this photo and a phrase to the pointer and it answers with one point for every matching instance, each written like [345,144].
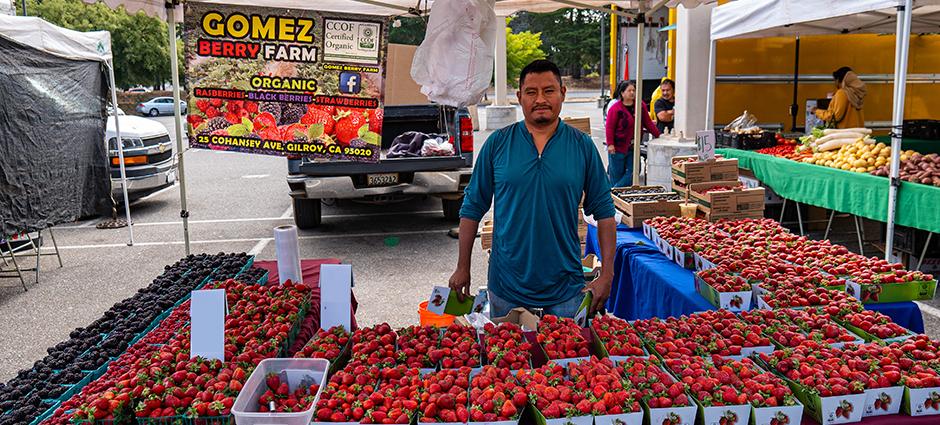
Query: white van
[149,157]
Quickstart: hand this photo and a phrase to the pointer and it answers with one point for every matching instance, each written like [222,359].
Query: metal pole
[120,147]
[638,103]
[24,8]
[603,25]
[710,94]
[794,107]
[900,78]
[174,73]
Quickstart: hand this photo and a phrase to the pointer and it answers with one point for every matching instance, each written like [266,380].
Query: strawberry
[562,338]
[376,116]
[319,116]
[202,104]
[348,124]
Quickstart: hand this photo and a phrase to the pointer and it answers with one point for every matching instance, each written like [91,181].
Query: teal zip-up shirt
[536,258]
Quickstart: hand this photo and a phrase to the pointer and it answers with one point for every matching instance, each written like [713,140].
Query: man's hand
[611,149]
[460,283]
[600,287]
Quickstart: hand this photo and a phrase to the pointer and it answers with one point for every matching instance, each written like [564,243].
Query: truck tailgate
[386,165]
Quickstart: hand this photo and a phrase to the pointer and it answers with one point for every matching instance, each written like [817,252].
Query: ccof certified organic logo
[367,38]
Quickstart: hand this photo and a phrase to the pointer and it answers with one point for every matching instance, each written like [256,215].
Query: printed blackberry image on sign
[277,81]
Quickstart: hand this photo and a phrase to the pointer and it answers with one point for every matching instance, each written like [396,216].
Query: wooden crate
[727,202]
[635,212]
[486,235]
[581,123]
[720,169]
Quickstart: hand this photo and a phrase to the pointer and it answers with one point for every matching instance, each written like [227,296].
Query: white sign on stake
[336,296]
[705,144]
[207,318]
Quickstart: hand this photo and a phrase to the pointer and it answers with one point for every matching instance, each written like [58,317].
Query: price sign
[705,144]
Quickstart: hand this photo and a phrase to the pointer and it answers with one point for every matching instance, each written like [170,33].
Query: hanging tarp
[53,159]
[790,18]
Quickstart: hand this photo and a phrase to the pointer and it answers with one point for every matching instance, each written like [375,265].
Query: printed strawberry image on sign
[266,81]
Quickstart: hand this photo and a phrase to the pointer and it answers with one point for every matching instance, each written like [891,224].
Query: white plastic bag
[454,63]
[437,147]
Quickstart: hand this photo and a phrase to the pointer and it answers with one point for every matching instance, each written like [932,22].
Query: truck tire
[307,213]
[452,208]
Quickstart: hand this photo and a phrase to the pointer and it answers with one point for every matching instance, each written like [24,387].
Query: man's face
[668,91]
[541,96]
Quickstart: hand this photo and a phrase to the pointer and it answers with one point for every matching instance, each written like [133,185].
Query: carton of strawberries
[554,395]
[612,400]
[496,397]
[563,340]
[665,400]
[506,346]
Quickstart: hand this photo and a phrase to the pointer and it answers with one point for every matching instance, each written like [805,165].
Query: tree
[521,48]
[138,42]
[571,37]
[410,31]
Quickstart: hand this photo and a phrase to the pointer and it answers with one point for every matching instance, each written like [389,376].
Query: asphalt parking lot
[235,200]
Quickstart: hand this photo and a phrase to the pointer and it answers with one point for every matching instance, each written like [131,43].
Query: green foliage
[521,48]
[571,37]
[411,31]
[138,42]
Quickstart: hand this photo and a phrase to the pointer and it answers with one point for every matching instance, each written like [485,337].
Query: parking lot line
[286,216]
[237,240]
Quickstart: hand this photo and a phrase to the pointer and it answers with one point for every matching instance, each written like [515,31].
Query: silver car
[159,106]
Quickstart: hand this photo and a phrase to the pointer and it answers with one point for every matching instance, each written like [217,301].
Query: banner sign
[279,81]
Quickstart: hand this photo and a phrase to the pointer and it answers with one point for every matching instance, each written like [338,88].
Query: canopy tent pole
[710,94]
[612,54]
[178,121]
[638,102]
[897,121]
[120,147]
[794,107]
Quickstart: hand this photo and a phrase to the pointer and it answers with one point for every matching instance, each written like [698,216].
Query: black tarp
[53,158]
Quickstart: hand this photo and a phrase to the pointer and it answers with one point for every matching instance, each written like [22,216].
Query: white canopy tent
[76,45]
[775,18]
[170,11]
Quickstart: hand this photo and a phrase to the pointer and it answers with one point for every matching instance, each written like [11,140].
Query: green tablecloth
[860,194]
[918,145]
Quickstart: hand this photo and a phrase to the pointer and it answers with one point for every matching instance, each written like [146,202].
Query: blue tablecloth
[647,284]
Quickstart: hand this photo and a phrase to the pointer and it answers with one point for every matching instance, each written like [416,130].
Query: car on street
[149,160]
[159,106]
[138,90]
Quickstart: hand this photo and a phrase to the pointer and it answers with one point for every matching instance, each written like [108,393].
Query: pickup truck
[390,179]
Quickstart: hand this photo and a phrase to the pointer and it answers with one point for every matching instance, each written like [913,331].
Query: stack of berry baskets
[617,338]
[506,346]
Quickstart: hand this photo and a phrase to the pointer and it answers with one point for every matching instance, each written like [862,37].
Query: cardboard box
[521,317]
[830,410]
[711,218]
[591,266]
[486,234]
[731,301]
[400,88]
[581,123]
[888,399]
[635,212]
[892,292]
[720,169]
[726,202]
[915,401]
[777,415]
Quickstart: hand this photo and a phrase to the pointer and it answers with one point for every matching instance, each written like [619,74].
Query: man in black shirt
[665,106]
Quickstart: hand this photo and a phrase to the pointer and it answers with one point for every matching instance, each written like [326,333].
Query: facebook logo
[349,82]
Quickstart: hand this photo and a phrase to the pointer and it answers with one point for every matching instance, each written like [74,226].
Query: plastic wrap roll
[288,254]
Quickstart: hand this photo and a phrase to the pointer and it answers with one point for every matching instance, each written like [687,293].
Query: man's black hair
[668,82]
[839,74]
[537,67]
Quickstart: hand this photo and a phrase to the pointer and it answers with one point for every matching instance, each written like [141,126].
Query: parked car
[138,90]
[149,160]
[159,106]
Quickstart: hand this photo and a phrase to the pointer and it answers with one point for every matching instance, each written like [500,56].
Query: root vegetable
[829,131]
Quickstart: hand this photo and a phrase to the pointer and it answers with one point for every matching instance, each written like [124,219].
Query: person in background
[845,108]
[535,173]
[664,107]
[620,130]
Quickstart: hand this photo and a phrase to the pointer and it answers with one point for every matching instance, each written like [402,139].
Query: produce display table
[310,270]
[858,194]
[647,284]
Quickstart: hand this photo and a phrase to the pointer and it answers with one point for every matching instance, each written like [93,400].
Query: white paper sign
[207,317]
[351,41]
[705,144]
[335,295]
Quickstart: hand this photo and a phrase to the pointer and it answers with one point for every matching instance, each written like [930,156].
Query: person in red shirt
[620,133]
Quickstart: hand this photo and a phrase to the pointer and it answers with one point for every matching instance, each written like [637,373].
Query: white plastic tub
[294,371]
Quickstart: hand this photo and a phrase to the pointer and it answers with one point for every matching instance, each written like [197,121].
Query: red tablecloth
[310,270]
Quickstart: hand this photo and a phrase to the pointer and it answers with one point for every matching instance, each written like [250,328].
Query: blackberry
[273,108]
[291,113]
[217,123]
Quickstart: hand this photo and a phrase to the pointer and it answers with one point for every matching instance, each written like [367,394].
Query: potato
[936,181]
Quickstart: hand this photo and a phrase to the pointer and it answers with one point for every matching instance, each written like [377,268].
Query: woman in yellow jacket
[845,108]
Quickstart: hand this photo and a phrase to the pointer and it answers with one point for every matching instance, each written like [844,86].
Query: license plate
[382,179]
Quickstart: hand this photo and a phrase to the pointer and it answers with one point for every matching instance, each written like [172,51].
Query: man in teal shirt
[535,173]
